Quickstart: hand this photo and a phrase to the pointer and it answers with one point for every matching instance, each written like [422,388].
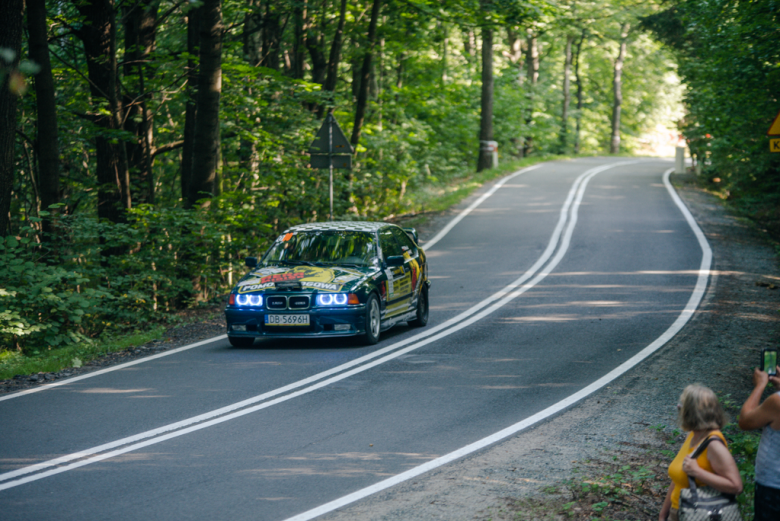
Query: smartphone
[769,361]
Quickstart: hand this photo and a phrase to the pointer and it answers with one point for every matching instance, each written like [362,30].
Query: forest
[148,146]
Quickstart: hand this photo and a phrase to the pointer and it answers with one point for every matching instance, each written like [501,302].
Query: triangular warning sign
[322,139]
[774,130]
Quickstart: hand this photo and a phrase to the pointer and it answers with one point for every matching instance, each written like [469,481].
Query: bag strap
[696,453]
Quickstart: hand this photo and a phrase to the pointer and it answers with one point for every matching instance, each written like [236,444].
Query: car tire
[373,320]
[422,309]
[241,341]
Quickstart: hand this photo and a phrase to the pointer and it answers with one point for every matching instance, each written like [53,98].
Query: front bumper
[322,322]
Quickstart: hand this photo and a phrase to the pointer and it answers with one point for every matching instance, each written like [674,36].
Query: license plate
[287,320]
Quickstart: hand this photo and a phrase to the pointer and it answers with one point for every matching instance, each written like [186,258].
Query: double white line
[559,241]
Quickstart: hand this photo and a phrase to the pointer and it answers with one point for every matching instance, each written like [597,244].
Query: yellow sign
[774,130]
[774,145]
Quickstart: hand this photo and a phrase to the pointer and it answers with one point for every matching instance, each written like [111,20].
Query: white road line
[687,313]
[109,369]
[230,412]
[428,245]
[450,225]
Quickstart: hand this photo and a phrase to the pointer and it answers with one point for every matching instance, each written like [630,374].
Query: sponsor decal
[269,271]
[346,278]
[249,282]
[415,273]
[283,277]
[255,287]
[390,288]
[287,237]
[321,285]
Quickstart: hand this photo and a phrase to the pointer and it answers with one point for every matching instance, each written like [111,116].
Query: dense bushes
[730,61]
[93,276]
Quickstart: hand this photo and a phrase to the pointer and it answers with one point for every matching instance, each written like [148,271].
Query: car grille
[276,302]
[298,302]
[279,302]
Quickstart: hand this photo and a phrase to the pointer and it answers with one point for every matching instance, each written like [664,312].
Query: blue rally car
[331,279]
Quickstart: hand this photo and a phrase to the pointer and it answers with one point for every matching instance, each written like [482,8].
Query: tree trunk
[299,35]
[140,33]
[251,35]
[578,79]
[532,75]
[617,90]
[247,152]
[99,37]
[334,57]
[362,98]
[315,43]
[46,142]
[272,38]
[206,142]
[10,38]
[515,44]
[191,110]
[566,96]
[485,160]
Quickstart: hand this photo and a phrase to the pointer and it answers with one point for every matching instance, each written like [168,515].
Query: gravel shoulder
[719,346]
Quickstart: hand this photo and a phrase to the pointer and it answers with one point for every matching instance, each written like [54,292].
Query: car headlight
[249,300]
[336,299]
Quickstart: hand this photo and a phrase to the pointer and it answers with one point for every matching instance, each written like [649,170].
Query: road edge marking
[564,228]
[109,369]
[682,319]
[455,220]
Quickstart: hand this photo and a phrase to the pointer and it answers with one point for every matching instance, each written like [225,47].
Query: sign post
[330,149]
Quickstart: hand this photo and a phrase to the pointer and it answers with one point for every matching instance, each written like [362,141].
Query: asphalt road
[617,281]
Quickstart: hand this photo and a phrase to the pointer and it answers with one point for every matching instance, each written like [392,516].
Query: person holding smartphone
[765,416]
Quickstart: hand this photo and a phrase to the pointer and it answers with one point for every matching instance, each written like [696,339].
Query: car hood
[332,278]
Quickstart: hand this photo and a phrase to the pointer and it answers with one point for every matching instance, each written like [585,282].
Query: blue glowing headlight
[332,299]
[249,300]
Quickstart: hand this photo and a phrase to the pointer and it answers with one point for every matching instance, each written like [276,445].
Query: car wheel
[422,309]
[373,320]
[241,341]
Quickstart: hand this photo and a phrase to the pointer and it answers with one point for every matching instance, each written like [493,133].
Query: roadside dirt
[538,474]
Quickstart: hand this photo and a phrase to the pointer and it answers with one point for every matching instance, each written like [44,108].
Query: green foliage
[744,447]
[69,291]
[730,61]
[43,305]
[418,149]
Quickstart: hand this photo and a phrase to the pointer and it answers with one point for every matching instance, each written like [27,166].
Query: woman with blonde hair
[700,414]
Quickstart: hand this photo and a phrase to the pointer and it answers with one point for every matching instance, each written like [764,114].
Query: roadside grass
[52,360]
[437,198]
[628,482]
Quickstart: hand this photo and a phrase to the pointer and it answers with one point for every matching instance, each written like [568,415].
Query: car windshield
[322,247]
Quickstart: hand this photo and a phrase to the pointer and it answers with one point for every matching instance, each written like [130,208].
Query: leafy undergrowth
[628,482]
[52,360]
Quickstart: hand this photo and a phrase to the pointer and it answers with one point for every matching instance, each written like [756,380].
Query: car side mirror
[251,262]
[393,261]
[412,233]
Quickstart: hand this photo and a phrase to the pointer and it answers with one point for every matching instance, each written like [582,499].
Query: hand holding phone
[769,361]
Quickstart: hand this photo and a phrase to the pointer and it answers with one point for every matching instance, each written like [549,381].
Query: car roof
[347,226]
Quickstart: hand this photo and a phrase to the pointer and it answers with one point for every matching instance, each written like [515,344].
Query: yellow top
[680,478]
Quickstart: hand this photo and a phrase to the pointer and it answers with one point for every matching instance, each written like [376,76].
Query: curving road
[558,276]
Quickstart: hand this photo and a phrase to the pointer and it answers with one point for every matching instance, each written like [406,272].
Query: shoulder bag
[706,503]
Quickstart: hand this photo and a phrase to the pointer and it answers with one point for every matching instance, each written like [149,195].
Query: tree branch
[167,147]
